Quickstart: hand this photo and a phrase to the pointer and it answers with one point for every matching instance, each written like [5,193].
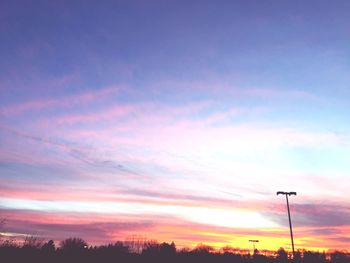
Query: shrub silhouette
[166,249]
[73,244]
[203,249]
[282,255]
[32,242]
[48,247]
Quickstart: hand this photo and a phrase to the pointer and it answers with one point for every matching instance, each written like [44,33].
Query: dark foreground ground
[106,255]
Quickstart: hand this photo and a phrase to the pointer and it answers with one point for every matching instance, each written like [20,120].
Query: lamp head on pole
[286,193]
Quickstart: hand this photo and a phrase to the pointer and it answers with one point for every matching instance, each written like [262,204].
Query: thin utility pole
[253,241]
[290,221]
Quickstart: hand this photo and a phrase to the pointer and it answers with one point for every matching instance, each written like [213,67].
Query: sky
[176,121]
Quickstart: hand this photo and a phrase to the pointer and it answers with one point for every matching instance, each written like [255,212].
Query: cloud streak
[66,101]
[100,229]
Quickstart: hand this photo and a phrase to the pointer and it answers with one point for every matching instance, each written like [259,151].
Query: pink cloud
[216,87]
[148,120]
[277,93]
[113,112]
[67,101]
[37,191]
[102,229]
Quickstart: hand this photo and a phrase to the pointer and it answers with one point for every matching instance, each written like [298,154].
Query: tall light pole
[253,241]
[290,222]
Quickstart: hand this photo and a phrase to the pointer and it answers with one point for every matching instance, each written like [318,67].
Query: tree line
[75,250]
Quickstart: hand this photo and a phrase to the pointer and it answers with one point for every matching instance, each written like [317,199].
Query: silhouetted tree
[257,258]
[167,250]
[120,247]
[227,250]
[2,224]
[203,249]
[48,247]
[73,244]
[74,250]
[297,257]
[339,257]
[151,247]
[282,255]
[33,242]
[313,257]
[10,243]
[116,248]
[135,243]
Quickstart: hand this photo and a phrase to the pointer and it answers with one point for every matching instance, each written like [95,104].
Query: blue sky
[165,105]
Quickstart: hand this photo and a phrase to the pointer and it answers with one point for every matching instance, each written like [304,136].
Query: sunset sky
[176,121]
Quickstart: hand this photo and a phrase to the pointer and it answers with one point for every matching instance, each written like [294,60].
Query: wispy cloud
[317,215]
[104,228]
[63,102]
